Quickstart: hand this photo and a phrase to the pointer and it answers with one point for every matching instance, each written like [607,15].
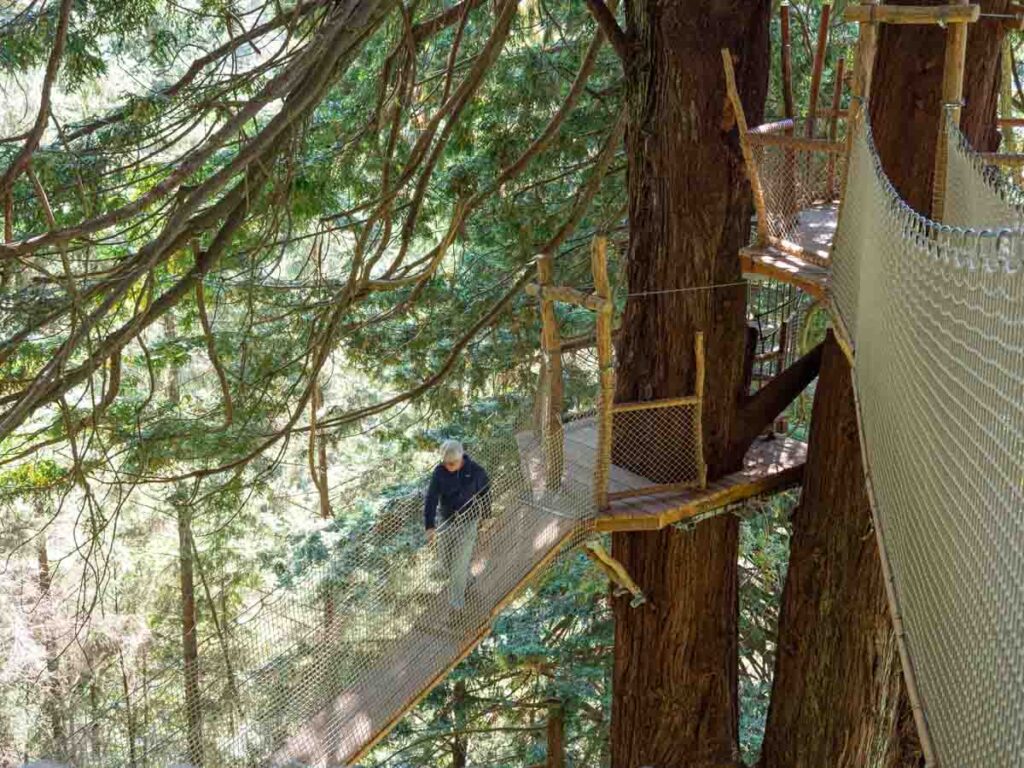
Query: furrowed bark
[906,93]
[675,680]
[838,697]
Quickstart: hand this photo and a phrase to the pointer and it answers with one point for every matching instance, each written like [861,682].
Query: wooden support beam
[698,418]
[1003,159]
[912,14]
[565,294]
[606,371]
[952,98]
[819,65]
[616,572]
[748,155]
[860,88]
[833,123]
[787,64]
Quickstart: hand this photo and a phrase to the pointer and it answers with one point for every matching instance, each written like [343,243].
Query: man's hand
[431,535]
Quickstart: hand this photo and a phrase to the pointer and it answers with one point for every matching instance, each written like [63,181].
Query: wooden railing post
[952,97]
[551,384]
[698,419]
[817,67]
[833,124]
[556,734]
[860,91]
[606,371]
[748,154]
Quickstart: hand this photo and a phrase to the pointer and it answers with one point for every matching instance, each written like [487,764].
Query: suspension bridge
[931,316]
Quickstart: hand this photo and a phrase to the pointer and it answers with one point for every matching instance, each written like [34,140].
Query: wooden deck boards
[770,464]
[410,664]
[804,261]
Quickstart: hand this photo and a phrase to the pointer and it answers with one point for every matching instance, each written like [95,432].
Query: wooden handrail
[775,127]
[796,142]
[1009,159]
[650,405]
[913,14]
[565,294]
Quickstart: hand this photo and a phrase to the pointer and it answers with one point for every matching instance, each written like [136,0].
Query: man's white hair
[451,451]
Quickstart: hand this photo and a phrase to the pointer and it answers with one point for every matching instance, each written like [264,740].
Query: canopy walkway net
[319,670]
[935,313]
[325,664]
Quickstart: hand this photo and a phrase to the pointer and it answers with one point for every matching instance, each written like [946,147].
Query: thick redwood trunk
[906,95]
[838,697]
[674,696]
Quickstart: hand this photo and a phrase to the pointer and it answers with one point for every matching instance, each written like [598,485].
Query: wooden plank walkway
[405,667]
[804,261]
[770,465]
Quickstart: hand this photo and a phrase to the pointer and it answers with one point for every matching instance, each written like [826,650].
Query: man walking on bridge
[462,488]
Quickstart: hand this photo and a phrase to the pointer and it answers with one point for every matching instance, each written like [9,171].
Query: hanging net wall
[800,183]
[328,660]
[778,312]
[978,194]
[935,313]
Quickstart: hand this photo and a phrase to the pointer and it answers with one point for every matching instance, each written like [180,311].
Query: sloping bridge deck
[408,666]
[769,465]
[804,261]
[411,664]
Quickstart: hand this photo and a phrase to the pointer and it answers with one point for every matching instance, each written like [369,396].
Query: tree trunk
[52,702]
[675,678]
[187,588]
[906,95]
[838,697]
[189,639]
[836,646]
[460,745]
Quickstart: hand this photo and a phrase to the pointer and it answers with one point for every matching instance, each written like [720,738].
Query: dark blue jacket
[454,490]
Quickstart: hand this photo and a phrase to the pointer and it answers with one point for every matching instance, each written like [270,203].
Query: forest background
[357,301]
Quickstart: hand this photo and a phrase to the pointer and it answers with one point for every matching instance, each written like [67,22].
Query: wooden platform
[770,465]
[803,261]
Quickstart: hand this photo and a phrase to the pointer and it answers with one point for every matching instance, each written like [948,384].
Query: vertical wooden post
[556,734]
[551,382]
[952,97]
[606,371]
[819,64]
[787,63]
[698,421]
[748,154]
[860,88]
[833,124]
[1006,96]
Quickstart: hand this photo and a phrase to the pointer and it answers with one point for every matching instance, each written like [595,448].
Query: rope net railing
[313,672]
[800,182]
[656,447]
[320,666]
[977,192]
[936,315]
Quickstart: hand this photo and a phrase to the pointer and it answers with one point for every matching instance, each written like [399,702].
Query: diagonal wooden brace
[617,572]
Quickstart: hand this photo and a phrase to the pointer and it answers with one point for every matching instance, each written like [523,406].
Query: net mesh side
[799,185]
[326,661]
[978,194]
[937,317]
[656,448]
